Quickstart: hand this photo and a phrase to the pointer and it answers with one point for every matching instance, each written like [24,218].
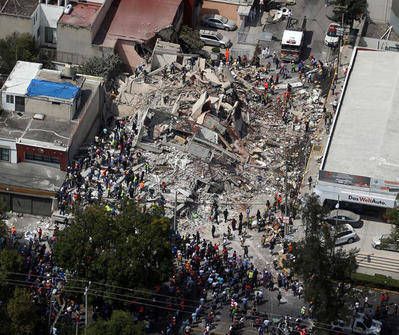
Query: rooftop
[12,125]
[19,8]
[365,136]
[82,15]
[31,176]
[47,133]
[292,37]
[20,77]
[138,20]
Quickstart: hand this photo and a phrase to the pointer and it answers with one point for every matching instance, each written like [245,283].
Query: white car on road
[332,38]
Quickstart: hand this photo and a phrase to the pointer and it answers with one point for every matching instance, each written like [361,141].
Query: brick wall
[62,156]
[221,8]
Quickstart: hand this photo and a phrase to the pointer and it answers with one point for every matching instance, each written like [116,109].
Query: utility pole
[175,214]
[286,187]
[49,316]
[342,10]
[86,294]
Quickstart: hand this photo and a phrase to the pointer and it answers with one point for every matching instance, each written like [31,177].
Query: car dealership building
[360,165]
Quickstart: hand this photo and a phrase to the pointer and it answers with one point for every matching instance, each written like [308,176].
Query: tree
[17,47]
[130,249]
[107,68]
[189,40]
[22,313]
[120,323]
[322,267]
[393,239]
[350,9]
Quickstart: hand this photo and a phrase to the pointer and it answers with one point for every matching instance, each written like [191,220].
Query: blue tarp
[46,88]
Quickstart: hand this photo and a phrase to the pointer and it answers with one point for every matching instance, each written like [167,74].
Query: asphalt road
[316,27]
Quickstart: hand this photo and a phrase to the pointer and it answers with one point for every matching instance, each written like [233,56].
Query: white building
[360,166]
[38,18]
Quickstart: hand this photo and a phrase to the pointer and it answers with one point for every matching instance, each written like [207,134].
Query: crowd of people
[111,170]
[222,279]
[207,274]
[41,275]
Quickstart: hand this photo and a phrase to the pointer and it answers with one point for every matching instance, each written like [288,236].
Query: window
[50,35]
[4,154]
[41,158]
[10,99]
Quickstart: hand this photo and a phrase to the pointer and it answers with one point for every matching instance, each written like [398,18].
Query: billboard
[344,179]
[384,185]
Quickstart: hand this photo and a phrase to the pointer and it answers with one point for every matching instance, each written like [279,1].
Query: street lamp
[337,207]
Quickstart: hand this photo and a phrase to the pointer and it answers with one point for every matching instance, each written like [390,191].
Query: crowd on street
[211,274]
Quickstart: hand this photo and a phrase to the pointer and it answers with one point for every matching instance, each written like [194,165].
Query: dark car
[341,216]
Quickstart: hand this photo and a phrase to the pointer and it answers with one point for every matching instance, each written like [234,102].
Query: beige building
[37,18]
[384,11]
[46,117]
[126,27]
[228,8]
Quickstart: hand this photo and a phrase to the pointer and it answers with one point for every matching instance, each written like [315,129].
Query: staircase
[371,264]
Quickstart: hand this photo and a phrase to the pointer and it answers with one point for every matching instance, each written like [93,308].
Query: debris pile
[226,131]
[197,134]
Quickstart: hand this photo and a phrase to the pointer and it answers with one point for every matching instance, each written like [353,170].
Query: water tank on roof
[68,9]
[68,72]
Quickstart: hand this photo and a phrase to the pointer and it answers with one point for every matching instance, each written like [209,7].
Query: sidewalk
[316,155]
[318,148]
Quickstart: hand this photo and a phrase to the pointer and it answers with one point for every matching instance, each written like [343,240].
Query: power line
[290,319]
[76,289]
[149,292]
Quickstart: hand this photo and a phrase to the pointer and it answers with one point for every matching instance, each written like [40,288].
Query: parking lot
[372,260]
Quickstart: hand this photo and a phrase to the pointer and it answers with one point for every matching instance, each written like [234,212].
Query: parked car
[218,22]
[345,234]
[332,39]
[214,38]
[361,325]
[384,242]
[270,5]
[339,216]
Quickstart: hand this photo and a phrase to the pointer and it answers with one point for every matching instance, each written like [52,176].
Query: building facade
[48,115]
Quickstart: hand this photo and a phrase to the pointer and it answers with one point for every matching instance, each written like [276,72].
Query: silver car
[385,242]
[340,216]
[218,22]
[345,234]
[214,38]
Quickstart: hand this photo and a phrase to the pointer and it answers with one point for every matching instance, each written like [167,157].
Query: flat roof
[31,176]
[82,15]
[19,8]
[365,136]
[139,20]
[292,37]
[12,125]
[20,77]
[48,133]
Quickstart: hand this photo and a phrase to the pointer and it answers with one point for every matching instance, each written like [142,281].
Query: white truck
[292,42]
[360,325]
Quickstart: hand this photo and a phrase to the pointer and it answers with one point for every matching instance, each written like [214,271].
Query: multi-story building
[38,18]
[46,116]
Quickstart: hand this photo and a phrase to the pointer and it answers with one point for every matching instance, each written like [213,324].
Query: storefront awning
[338,193]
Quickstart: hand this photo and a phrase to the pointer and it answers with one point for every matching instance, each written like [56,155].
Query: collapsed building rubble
[215,131]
